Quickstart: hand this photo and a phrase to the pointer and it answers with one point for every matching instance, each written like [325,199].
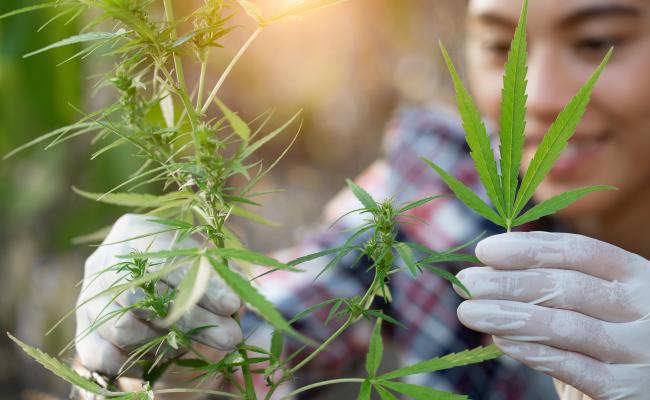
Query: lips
[578,156]
[578,139]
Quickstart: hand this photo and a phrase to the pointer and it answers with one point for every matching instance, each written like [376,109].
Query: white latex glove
[573,307]
[106,349]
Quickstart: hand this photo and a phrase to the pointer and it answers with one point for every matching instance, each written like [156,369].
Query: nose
[550,86]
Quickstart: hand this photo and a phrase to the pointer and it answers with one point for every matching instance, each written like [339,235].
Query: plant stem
[351,320]
[182,86]
[249,392]
[212,392]
[248,378]
[204,68]
[229,68]
[323,383]
[365,302]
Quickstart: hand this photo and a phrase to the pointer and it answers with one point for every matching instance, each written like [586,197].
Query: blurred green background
[348,67]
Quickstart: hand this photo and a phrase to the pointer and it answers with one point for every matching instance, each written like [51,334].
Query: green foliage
[512,120]
[420,392]
[194,157]
[376,350]
[385,384]
[366,200]
[84,37]
[504,191]
[255,300]
[236,123]
[365,390]
[555,203]
[477,138]
[556,139]
[467,195]
[445,362]
[406,255]
[64,371]
[190,290]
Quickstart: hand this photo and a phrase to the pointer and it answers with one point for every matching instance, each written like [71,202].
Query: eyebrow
[601,11]
[577,17]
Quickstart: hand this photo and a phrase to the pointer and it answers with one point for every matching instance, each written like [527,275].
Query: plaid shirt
[426,305]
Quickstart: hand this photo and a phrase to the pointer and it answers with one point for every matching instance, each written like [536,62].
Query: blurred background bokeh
[348,67]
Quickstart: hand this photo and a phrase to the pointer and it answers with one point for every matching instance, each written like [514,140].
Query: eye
[497,46]
[497,49]
[597,46]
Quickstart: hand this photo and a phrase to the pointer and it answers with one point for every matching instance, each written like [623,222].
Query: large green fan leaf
[477,138]
[64,371]
[467,195]
[466,357]
[556,139]
[248,293]
[557,203]
[512,120]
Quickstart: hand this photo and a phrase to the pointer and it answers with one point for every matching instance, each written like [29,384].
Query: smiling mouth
[578,156]
[577,141]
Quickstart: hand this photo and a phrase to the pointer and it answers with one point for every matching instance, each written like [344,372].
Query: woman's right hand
[106,348]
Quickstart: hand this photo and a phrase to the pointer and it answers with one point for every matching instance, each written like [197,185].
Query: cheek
[626,105]
[622,107]
[485,83]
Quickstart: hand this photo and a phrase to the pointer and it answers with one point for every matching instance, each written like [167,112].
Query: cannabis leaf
[452,360]
[366,200]
[556,139]
[256,300]
[190,290]
[512,120]
[64,371]
[504,191]
[236,123]
[375,351]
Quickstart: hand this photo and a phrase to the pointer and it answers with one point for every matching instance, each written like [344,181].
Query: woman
[571,306]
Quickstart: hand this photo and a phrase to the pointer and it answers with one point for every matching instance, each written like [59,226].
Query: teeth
[571,149]
[583,144]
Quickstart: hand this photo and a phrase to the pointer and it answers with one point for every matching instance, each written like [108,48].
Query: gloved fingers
[218,297]
[584,373]
[522,250]
[132,233]
[131,298]
[555,288]
[98,354]
[123,329]
[222,333]
[562,329]
[142,233]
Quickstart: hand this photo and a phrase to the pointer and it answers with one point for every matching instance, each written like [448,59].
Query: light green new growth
[506,194]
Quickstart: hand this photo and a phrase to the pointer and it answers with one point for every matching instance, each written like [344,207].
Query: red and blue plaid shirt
[426,305]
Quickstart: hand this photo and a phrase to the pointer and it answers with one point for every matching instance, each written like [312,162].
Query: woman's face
[567,39]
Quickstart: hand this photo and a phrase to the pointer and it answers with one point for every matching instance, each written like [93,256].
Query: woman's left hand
[568,305]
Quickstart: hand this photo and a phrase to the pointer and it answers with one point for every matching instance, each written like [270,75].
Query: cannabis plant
[168,123]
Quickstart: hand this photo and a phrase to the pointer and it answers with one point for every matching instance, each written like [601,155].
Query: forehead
[550,13]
